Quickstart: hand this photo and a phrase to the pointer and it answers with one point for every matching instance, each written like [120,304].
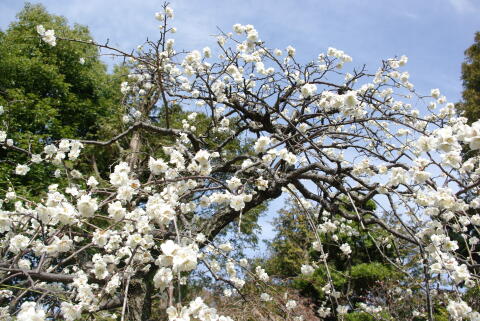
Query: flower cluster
[47,35]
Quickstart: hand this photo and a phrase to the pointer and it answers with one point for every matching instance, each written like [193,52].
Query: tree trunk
[139,305]
[135,146]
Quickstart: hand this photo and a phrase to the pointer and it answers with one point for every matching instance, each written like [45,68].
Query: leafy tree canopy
[471,81]
[49,92]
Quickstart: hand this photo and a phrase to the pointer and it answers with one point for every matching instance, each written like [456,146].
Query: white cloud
[410,15]
[465,6]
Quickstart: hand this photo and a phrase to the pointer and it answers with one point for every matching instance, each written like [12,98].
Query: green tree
[470,106]
[471,82]
[50,93]
[357,274]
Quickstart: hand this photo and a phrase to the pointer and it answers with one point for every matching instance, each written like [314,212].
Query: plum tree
[336,142]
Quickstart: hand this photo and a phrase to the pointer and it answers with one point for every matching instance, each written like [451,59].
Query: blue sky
[432,33]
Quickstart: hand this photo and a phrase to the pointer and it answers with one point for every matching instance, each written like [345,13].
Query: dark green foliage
[356,275]
[365,274]
[47,93]
[359,316]
[471,82]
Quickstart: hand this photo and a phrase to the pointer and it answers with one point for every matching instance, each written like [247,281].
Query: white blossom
[22,169]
